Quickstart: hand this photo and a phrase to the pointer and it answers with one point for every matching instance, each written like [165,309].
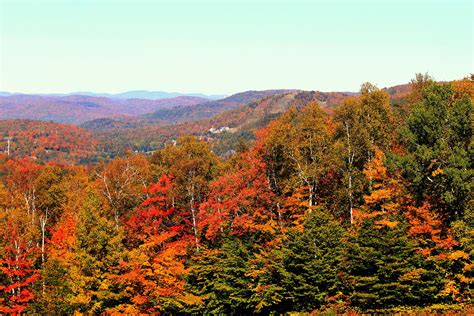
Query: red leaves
[63,239]
[17,265]
[154,270]
[47,141]
[240,201]
[156,214]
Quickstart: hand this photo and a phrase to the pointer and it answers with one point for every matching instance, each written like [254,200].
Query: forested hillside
[243,113]
[361,206]
[46,142]
[80,108]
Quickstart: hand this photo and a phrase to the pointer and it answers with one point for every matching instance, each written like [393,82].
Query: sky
[223,47]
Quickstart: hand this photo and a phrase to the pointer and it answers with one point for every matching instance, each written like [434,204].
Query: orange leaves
[154,273]
[378,196]
[376,170]
[426,229]
[62,241]
[413,275]
[385,198]
[385,193]
[386,223]
[139,299]
[464,87]
[437,172]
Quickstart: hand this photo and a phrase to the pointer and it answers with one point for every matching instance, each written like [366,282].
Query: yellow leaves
[413,275]
[386,223]
[437,172]
[190,299]
[458,254]
[450,289]
[81,299]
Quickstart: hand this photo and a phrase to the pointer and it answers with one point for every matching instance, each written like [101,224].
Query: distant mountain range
[141,108]
[145,125]
[136,94]
[209,109]
[80,108]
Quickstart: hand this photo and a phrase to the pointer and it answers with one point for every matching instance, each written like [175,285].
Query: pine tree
[438,139]
[220,277]
[311,260]
[384,267]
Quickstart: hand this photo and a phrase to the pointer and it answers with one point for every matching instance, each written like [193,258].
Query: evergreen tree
[439,162]
[311,260]
[220,277]
[384,270]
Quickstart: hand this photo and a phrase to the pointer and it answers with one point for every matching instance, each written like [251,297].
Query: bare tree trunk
[280,222]
[350,163]
[8,147]
[43,221]
[350,199]
[193,214]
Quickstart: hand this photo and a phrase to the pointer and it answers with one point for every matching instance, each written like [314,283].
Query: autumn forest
[338,203]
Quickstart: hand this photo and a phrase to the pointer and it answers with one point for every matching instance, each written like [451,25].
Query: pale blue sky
[230,46]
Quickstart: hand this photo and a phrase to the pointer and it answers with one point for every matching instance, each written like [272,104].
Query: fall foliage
[366,208]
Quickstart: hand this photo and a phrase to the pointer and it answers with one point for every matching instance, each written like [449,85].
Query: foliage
[365,209]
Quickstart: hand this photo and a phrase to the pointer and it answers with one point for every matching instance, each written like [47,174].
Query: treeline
[368,210]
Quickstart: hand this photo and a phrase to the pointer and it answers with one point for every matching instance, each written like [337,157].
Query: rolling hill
[78,108]
[243,113]
[46,141]
[258,113]
[209,109]
[134,94]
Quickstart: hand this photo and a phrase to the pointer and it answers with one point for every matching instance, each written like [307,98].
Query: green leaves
[438,137]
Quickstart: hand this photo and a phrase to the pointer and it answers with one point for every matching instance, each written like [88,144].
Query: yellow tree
[193,165]
[122,183]
[299,147]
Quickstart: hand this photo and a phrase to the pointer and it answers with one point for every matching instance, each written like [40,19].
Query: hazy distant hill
[136,94]
[243,112]
[149,95]
[259,113]
[209,109]
[80,108]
